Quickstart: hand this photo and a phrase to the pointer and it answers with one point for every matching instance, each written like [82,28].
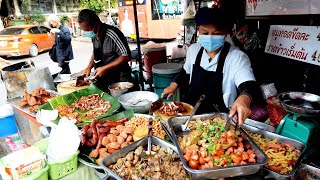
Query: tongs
[228,124]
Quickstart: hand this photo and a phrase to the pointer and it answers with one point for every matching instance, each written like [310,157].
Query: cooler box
[7,124]
[163,75]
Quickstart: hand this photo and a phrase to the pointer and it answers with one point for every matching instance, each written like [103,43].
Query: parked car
[25,40]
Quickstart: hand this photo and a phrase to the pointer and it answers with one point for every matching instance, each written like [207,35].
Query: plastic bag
[190,12]
[268,90]
[252,43]
[64,141]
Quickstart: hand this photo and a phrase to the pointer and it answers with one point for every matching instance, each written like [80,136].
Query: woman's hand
[170,90]
[242,107]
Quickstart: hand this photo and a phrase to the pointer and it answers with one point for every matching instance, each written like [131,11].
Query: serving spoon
[181,130]
[147,154]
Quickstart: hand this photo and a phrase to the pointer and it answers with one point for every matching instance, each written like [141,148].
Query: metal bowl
[138,101]
[304,104]
[124,87]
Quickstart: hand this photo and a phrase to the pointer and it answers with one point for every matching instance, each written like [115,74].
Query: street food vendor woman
[217,69]
[111,52]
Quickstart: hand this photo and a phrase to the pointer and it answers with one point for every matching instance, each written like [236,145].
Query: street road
[82,51]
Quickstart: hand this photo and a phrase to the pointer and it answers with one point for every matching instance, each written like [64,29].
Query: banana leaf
[45,106]
[124,114]
[70,98]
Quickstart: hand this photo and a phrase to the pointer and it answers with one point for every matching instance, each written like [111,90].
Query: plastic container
[7,123]
[41,175]
[152,57]
[63,168]
[163,75]
[275,110]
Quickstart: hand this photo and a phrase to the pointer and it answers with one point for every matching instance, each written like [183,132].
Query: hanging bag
[53,53]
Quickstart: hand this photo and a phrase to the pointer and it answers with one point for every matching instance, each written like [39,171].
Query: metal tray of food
[281,139]
[112,159]
[260,125]
[308,172]
[222,172]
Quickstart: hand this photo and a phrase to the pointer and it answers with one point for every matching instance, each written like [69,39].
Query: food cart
[114,130]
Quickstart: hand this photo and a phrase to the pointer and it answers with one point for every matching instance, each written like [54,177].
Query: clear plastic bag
[268,90]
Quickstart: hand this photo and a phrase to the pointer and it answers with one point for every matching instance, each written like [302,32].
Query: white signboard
[281,7]
[300,43]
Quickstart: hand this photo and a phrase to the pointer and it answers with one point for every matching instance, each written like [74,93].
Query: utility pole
[55,11]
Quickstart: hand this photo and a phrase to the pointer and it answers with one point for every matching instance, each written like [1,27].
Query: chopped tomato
[275,168]
[220,152]
[236,159]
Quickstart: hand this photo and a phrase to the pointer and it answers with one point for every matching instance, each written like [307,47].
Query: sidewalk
[82,39]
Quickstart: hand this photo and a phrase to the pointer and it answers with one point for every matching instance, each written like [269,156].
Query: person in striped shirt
[111,52]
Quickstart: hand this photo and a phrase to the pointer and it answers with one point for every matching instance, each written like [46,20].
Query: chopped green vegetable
[211,148]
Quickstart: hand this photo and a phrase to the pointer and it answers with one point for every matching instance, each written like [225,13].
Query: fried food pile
[172,108]
[208,146]
[164,165]
[106,137]
[93,106]
[140,126]
[35,99]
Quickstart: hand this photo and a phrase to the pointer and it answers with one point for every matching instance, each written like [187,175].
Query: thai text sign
[300,43]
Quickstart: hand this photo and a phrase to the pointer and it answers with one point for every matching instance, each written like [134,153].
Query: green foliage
[37,17]
[97,6]
[64,19]
[26,6]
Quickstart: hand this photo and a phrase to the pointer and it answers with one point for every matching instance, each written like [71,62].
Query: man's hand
[242,107]
[54,30]
[170,90]
[86,72]
[100,71]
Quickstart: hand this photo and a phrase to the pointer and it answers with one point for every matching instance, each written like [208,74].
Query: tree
[17,11]
[97,6]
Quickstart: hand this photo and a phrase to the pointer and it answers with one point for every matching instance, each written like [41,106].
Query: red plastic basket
[276,111]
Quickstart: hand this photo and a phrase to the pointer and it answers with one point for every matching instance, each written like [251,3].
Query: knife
[157,104]
[81,79]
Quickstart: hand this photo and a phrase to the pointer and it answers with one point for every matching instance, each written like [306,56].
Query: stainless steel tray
[260,125]
[307,172]
[223,172]
[111,159]
[15,103]
[281,139]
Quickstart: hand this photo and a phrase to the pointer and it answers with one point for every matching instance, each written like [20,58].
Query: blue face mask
[90,34]
[211,42]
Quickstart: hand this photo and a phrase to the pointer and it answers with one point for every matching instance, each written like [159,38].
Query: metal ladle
[147,154]
[184,127]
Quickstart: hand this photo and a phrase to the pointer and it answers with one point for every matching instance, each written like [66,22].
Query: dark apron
[208,83]
[122,73]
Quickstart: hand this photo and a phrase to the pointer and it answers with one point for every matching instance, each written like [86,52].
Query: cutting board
[68,87]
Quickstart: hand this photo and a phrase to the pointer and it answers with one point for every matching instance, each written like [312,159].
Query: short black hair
[215,16]
[88,16]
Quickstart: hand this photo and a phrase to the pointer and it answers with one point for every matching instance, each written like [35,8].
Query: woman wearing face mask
[111,52]
[62,46]
[217,69]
